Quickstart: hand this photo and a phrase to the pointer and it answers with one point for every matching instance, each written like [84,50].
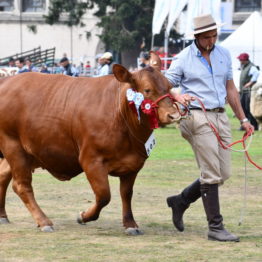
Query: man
[248,77]
[20,63]
[106,61]
[11,62]
[30,66]
[68,69]
[203,70]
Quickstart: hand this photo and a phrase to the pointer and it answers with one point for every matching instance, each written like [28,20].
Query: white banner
[160,13]
[201,7]
[176,7]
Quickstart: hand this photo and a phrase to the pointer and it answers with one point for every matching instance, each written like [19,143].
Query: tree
[125,24]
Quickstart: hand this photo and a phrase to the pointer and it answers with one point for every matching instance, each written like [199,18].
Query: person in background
[20,63]
[44,69]
[11,62]
[30,66]
[80,68]
[107,61]
[204,70]
[88,68]
[68,69]
[248,77]
[103,67]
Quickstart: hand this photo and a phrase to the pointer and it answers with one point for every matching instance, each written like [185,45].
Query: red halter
[149,108]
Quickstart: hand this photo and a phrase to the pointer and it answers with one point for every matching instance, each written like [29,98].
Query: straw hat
[205,23]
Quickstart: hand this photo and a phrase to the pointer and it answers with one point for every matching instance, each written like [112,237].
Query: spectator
[44,69]
[88,68]
[68,69]
[106,61]
[80,68]
[20,63]
[11,62]
[248,77]
[103,67]
[30,66]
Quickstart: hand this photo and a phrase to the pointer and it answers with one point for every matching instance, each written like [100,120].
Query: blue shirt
[254,73]
[191,71]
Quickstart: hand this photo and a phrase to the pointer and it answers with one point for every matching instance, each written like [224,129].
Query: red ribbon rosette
[149,109]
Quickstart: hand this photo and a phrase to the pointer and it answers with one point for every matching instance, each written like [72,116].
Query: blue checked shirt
[191,71]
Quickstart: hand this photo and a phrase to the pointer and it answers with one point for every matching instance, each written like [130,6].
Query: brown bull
[69,125]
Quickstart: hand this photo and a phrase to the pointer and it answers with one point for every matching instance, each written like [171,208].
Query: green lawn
[168,170]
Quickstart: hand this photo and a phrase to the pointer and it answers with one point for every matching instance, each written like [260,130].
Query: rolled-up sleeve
[254,73]
[174,73]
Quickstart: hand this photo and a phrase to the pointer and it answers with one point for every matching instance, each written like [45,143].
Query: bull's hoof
[48,229]
[4,220]
[134,231]
[79,219]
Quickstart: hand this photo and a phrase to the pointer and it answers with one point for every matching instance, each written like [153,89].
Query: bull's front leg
[98,178]
[126,191]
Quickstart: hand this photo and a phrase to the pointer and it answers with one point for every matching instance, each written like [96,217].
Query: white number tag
[150,144]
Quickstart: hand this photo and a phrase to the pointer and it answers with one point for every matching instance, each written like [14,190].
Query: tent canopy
[246,39]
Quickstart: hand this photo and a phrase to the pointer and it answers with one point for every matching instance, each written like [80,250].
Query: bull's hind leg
[20,164]
[126,191]
[5,178]
[98,179]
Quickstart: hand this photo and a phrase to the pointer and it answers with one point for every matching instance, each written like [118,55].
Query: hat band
[204,27]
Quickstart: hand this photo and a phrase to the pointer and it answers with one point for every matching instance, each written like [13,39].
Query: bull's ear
[154,60]
[122,74]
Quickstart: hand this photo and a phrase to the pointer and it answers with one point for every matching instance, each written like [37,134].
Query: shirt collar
[197,51]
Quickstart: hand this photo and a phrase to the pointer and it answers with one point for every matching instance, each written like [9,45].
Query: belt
[216,110]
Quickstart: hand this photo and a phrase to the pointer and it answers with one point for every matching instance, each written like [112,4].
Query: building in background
[22,28]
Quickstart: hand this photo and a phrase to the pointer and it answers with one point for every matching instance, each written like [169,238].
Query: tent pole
[152,41]
[166,50]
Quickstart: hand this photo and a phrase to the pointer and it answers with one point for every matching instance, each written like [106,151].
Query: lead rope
[244,206]
[246,157]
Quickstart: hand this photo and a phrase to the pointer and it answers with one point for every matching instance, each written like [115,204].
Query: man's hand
[184,99]
[247,127]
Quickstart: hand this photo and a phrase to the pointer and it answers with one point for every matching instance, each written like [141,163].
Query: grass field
[169,169]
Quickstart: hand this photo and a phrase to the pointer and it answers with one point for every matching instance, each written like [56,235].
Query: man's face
[18,64]
[243,62]
[207,39]
[65,63]
[28,63]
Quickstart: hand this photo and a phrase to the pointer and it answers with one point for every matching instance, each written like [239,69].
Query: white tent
[246,39]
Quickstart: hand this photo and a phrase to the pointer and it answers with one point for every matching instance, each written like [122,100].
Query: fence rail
[36,55]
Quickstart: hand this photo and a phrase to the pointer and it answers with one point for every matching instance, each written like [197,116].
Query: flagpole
[165,50]
[152,41]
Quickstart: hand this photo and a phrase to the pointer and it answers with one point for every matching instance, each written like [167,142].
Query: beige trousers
[213,161]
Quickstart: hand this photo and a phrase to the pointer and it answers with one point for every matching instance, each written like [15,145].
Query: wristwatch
[244,121]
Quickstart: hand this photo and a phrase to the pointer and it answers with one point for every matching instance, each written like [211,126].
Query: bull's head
[154,87]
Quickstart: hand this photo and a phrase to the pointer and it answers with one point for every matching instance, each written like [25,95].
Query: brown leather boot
[181,202]
[210,199]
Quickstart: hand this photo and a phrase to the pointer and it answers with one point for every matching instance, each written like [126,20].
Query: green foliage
[73,8]
[124,23]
